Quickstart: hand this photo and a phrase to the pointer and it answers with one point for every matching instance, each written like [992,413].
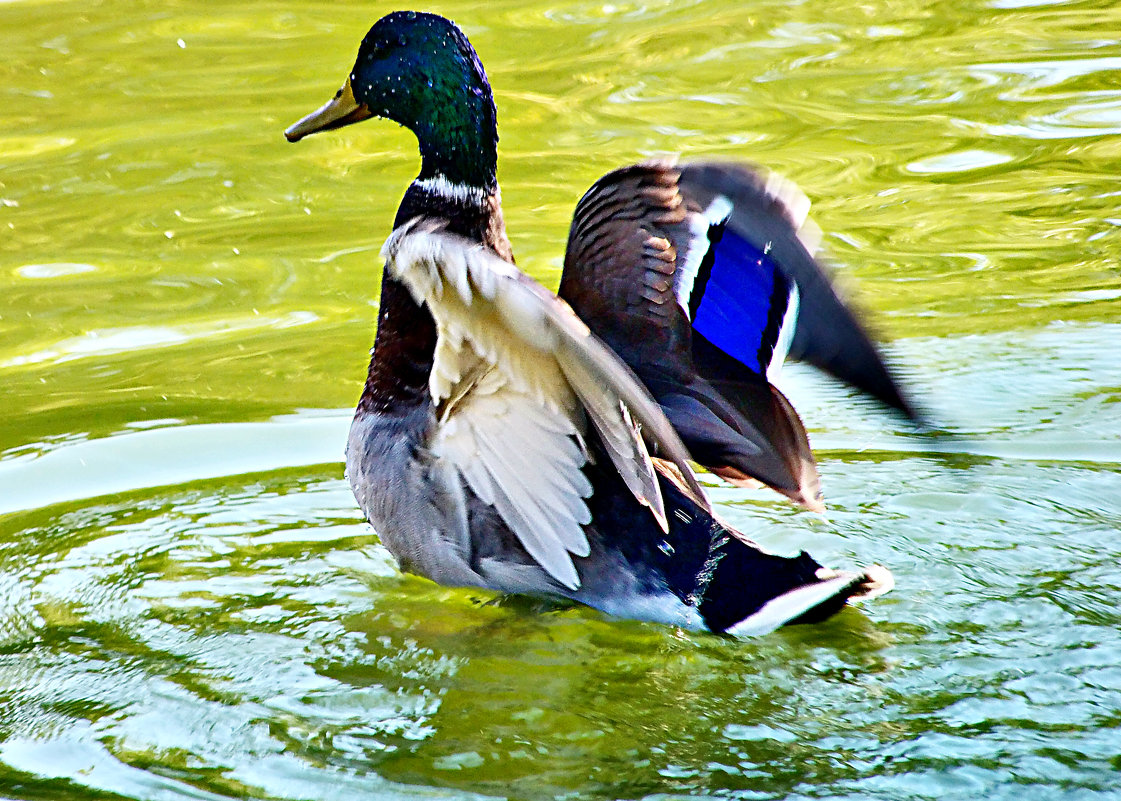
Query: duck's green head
[419,70]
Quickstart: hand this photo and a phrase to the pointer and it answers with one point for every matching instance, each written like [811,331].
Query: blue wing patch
[739,299]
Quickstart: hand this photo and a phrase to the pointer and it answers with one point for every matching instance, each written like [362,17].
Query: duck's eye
[375,50]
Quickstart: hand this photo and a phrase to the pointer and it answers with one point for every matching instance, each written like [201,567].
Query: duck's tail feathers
[812,603]
[760,295]
[749,592]
[792,605]
[727,580]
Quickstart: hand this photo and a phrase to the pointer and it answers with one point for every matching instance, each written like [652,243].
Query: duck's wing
[515,376]
[700,277]
[637,248]
[767,225]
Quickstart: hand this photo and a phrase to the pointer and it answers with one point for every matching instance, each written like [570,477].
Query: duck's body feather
[700,574]
[504,478]
[505,441]
[516,379]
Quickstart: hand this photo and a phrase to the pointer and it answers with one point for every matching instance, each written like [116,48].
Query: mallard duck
[515,440]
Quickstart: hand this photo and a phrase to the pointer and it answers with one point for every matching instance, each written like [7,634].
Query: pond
[192,606]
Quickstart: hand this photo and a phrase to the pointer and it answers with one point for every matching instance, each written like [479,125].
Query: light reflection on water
[190,604]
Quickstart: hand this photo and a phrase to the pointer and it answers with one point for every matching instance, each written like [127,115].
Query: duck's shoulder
[630,233]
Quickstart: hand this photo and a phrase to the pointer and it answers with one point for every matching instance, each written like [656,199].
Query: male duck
[516,441]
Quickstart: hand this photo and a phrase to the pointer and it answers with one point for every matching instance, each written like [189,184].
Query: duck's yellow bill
[340,110]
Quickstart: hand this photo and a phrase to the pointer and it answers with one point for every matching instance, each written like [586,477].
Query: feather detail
[516,377]
[791,605]
[702,278]
[770,216]
[644,267]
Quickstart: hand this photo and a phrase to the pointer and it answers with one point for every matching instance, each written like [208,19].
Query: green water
[190,604]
